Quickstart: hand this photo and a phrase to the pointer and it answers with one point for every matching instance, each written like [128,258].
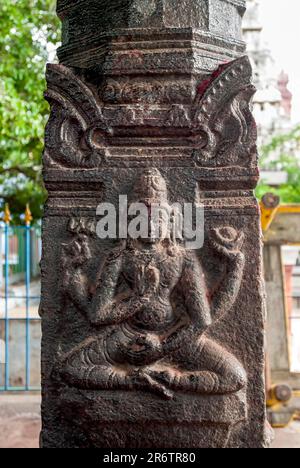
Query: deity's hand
[75,256]
[227,241]
[144,348]
[76,253]
[137,302]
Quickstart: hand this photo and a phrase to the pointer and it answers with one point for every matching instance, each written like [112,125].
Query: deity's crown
[150,187]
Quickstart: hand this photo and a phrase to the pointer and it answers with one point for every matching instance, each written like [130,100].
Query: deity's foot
[203,382]
[88,378]
[142,379]
[109,378]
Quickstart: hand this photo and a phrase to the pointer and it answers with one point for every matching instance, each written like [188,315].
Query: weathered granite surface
[152,346]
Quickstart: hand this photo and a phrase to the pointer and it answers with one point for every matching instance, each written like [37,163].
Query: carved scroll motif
[76,132]
[217,128]
[222,109]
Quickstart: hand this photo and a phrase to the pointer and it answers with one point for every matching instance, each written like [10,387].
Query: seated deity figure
[151,312]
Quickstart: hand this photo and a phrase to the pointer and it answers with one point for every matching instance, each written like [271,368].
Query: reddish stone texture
[205,84]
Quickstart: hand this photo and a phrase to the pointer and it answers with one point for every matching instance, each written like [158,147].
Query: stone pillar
[149,343]
[277,329]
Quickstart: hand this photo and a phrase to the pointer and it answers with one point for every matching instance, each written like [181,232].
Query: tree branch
[26,171]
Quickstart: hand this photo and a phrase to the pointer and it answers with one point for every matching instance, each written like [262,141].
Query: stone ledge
[143,408]
[141,420]
[189,42]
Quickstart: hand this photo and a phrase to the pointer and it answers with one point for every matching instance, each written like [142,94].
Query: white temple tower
[270,102]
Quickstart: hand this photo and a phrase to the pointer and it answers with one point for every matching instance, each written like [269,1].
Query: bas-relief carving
[133,91]
[223,111]
[151,311]
[76,117]
[218,127]
[149,344]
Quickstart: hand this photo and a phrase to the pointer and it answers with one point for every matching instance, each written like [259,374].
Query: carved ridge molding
[85,132]
[203,44]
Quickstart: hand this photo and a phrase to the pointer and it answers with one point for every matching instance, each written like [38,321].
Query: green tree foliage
[29,29]
[281,154]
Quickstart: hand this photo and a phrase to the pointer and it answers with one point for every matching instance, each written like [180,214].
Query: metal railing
[20,248]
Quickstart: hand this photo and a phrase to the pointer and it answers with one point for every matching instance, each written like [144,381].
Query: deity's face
[151,193]
[158,223]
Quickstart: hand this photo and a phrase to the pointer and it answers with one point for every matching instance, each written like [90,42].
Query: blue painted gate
[20,248]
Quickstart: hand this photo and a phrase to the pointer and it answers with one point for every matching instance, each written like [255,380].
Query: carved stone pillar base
[121,421]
